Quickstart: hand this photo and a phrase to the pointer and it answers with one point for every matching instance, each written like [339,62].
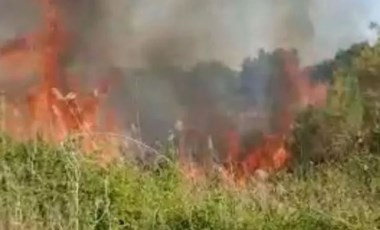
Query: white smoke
[231,30]
[186,31]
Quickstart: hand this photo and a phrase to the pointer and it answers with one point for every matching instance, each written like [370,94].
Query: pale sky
[230,30]
[225,30]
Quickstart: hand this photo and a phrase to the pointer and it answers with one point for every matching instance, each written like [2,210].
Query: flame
[271,154]
[48,111]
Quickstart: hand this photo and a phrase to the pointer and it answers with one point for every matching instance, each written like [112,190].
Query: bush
[320,136]
[54,187]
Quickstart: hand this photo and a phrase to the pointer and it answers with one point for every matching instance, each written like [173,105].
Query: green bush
[320,136]
[54,187]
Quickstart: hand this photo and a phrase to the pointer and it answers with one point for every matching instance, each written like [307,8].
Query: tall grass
[54,187]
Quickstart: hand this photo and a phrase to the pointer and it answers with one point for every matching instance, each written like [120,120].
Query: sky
[229,30]
[225,30]
[375,6]
[337,24]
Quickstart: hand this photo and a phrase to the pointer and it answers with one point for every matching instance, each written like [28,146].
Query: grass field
[47,187]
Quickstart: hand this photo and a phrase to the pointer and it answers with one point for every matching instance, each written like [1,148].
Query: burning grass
[49,187]
[54,109]
[61,186]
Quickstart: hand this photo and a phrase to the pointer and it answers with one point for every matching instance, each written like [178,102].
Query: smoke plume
[172,32]
[160,35]
[184,32]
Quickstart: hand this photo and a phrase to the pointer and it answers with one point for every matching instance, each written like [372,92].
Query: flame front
[46,110]
[241,162]
[271,154]
[55,109]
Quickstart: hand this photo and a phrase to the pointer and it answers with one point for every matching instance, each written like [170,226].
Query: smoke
[17,17]
[182,32]
[293,26]
[159,35]
[169,32]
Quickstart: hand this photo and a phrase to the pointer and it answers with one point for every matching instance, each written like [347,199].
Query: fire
[47,110]
[271,154]
[55,108]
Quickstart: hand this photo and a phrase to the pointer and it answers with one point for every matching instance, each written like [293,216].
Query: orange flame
[271,155]
[53,114]
[47,111]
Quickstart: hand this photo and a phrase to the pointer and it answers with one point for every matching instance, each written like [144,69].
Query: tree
[345,99]
[367,67]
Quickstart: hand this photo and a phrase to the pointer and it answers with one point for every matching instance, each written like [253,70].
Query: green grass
[50,187]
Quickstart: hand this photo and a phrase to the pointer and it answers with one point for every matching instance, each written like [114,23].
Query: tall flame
[47,111]
[53,111]
[271,154]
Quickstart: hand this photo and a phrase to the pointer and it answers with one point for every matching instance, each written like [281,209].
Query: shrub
[319,135]
[54,187]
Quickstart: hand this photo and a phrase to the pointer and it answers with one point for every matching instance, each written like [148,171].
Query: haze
[181,32]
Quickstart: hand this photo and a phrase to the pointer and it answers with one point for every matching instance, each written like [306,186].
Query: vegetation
[334,182]
[46,187]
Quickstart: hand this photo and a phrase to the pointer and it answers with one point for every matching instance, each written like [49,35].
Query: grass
[54,187]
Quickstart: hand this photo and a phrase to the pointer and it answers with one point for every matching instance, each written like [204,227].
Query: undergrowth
[55,187]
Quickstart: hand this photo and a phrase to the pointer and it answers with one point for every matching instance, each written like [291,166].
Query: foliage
[56,187]
[367,67]
[345,99]
[211,81]
[330,133]
[321,136]
[351,118]
[50,187]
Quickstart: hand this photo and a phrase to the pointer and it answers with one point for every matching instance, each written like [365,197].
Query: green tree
[367,67]
[345,99]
